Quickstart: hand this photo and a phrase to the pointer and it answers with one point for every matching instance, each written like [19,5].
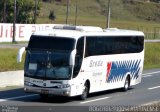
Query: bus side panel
[110,71]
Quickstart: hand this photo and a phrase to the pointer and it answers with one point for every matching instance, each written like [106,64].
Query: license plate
[44,91]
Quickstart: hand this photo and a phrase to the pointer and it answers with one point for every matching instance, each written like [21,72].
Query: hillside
[149,11]
[93,12]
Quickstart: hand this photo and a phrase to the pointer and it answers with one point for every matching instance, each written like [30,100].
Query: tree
[52,15]
[47,1]
[158,1]
[25,11]
[4,11]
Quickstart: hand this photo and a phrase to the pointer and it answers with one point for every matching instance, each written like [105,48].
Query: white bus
[78,60]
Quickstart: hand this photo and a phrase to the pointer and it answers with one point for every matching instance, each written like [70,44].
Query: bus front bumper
[49,91]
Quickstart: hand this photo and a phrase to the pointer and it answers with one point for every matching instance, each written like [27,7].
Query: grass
[8,58]
[152,55]
[144,10]
[150,29]
[93,12]
[131,15]
[98,8]
[126,15]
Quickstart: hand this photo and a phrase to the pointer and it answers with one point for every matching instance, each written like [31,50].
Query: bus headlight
[63,86]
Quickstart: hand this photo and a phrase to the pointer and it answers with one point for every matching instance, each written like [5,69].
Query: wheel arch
[128,75]
[88,84]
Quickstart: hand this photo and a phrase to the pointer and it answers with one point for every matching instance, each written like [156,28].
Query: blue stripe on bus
[120,68]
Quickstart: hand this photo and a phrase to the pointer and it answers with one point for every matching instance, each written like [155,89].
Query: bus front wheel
[43,96]
[85,92]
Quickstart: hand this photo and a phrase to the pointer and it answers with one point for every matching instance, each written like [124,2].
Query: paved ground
[144,93]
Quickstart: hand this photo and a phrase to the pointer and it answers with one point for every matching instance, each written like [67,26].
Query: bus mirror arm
[20,54]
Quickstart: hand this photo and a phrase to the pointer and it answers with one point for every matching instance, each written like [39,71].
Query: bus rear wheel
[85,92]
[127,84]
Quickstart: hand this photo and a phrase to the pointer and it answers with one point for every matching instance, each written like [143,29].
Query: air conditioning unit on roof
[79,28]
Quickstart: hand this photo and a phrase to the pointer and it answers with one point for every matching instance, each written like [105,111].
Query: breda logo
[44,84]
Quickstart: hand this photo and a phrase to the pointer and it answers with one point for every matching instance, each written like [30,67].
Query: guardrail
[12,78]
[152,40]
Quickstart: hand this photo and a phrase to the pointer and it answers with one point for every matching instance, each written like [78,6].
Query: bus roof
[79,31]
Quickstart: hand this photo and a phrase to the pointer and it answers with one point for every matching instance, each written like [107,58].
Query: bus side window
[90,46]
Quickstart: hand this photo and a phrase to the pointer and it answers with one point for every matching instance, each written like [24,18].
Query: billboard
[23,31]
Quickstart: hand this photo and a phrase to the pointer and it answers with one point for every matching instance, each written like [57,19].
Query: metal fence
[153,34]
[150,33]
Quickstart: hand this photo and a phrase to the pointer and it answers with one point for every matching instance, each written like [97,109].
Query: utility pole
[14,23]
[67,11]
[109,14]
[35,12]
[76,14]
[4,12]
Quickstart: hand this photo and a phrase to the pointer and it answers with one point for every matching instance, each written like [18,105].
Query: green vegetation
[135,14]
[131,14]
[126,14]
[25,11]
[152,55]
[143,10]
[8,60]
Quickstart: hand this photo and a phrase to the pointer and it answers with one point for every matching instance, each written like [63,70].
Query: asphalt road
[146,92]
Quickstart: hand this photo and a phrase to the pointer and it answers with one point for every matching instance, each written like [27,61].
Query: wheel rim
[126,86]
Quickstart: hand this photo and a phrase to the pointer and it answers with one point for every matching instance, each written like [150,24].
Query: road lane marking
[18,97]
[147,76]
[2,100]
[94,100]
[154,87]
[143,75]
[151,73]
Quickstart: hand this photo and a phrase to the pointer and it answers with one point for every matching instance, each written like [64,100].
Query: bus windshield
[49,58]
[51,43]
[48,65]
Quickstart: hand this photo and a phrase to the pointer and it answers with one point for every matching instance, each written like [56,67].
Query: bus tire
[127,83]
[85,92]
[43,96]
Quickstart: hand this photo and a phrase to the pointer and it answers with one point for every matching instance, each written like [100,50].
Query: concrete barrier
[12,78]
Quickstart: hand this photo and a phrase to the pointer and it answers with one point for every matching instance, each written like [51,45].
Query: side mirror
[20,53]
[72,57]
